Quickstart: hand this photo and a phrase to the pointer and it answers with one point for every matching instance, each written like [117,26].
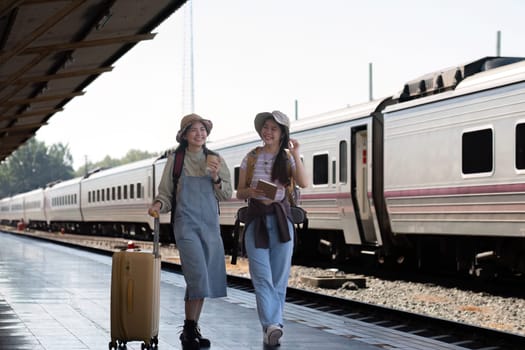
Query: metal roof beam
[88,43]
[46,26]
[46,98]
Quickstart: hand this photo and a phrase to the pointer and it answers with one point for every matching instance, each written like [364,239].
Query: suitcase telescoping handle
[156,234]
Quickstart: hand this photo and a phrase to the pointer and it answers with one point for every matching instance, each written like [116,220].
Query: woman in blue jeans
[269,231]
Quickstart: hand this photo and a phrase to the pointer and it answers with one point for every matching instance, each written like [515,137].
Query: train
[433,175]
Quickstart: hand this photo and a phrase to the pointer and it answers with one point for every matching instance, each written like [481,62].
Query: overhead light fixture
[26,108]
[102,22]
[43,89]
[68,61]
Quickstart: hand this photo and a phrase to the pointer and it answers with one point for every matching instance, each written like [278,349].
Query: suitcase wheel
[153,344]
[117,345]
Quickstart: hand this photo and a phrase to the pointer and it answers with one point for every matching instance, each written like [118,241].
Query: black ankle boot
[188,337]
[203,342]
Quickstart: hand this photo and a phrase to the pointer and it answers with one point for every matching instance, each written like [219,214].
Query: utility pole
[188,99]
[370,82]
[498,44]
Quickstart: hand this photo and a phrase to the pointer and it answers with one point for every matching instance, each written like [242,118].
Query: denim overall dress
[198,238]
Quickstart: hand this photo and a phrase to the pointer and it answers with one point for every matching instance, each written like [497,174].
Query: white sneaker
[272,335]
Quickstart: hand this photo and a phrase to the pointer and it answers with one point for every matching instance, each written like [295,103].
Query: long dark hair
[280,166]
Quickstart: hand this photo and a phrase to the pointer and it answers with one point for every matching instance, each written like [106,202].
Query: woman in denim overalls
[196,223]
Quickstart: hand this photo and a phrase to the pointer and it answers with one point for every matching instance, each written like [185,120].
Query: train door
[360,184]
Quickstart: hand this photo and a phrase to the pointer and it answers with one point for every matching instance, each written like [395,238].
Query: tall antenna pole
[370,82]
[188,92]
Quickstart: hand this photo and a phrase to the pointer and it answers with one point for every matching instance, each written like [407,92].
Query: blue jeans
[269,270]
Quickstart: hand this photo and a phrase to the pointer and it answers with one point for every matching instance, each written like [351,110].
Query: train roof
[59,184]
[337,116]
[450,78]
[123,168]
[513,71]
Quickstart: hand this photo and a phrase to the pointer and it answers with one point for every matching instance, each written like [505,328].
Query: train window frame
[334,170]
[343,162]
[474,148]
[236,172]
[140,190]
[519,147]
[320,179]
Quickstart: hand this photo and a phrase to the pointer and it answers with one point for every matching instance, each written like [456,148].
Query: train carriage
[35,213]
[63,205]
[16,209]
[5,211]
[116,199]
[455,167]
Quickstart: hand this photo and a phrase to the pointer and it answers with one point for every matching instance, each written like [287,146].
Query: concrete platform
[55,297]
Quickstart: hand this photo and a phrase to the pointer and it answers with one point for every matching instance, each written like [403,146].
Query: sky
[252,56]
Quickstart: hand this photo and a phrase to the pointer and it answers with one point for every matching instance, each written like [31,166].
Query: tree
[34,165]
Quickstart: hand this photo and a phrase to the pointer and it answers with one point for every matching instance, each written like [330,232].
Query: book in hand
[269,189]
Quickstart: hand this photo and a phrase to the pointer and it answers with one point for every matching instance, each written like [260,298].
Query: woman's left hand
[293,146]
[213,166]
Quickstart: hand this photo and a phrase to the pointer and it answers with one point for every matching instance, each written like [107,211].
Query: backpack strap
[178,162]
[291,185]
[238,235]
[178,158]
[250,165]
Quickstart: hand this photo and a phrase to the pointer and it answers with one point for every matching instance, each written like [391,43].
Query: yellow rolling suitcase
[135,296]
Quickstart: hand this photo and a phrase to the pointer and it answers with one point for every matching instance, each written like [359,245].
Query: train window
[320,169]
[131,191]
[520,146]
[139,190]
[236,177]
[108,196]
[477,154]
[113,193]
[103,195]
[98,195]
[119,192]
[343,162]
[125,191]
[333,171]
[75,198]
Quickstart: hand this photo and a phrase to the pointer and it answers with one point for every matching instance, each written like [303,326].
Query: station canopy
[51,50]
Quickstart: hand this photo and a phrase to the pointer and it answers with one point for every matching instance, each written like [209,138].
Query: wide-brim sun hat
[188,120]
[279,117]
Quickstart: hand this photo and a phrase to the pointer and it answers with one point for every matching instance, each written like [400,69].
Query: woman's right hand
[250,192]
[154,209]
